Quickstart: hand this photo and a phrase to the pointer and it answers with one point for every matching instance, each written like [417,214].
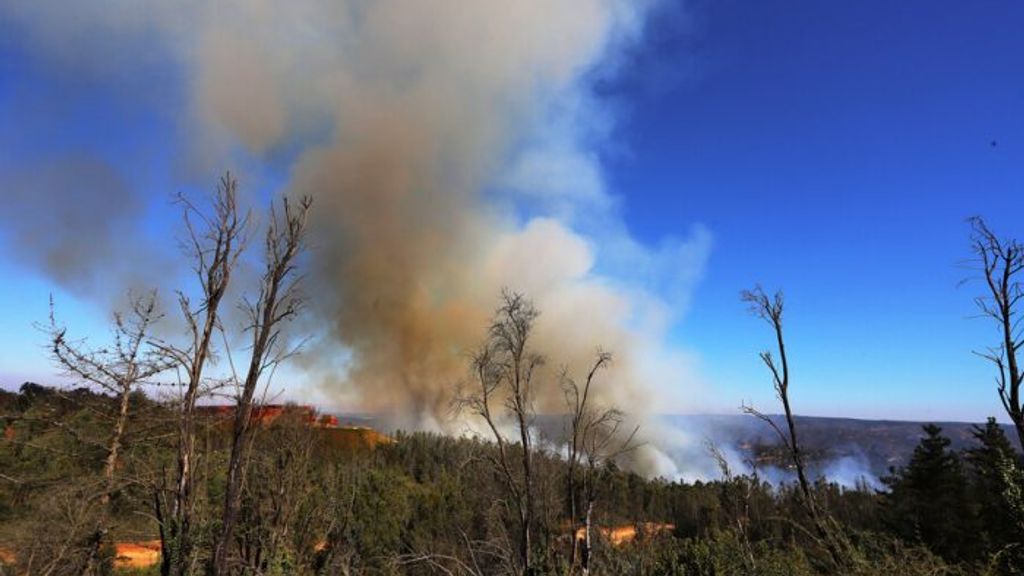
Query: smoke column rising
[426,132]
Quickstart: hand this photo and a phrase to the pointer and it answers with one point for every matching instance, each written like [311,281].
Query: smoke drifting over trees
[426,134]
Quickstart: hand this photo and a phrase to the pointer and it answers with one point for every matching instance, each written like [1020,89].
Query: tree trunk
[115,445]
[573,519]
[1011,399]
[524,545]
[524,436]
[109,467]
[236,473]
[179,549]
[587,542]
[275,305]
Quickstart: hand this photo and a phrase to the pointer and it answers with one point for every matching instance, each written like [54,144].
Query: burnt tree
[117,369]
[770,309]
[595,437]
[1000,262]
[504,370]
[277,302]
[214,242]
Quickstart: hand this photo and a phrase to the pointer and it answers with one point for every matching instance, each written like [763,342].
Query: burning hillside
[267,414]
[327,426]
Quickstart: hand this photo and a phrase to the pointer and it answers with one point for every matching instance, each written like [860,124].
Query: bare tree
[736,494]
[504,371]
[282,483]
[770,309]
[118,369]
[1001,263]
[277,302]
[595,438]
[214,243]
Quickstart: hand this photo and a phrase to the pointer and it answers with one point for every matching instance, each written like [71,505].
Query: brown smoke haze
[65,237]
[452,149]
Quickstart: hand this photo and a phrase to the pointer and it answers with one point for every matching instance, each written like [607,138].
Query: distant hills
[873,446]
[845,450]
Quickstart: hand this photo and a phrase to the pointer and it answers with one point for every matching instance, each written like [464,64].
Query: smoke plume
[452,149]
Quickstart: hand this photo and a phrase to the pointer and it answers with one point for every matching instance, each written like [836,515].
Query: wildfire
[350,437]
[267,414]
[126,554]
[137,554]
[626,533]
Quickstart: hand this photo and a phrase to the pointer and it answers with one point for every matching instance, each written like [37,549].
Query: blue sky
[834,149]
[831,149]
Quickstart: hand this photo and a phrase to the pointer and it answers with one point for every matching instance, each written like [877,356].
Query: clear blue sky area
[832,149]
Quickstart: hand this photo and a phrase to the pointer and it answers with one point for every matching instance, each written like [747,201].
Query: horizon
[661,161]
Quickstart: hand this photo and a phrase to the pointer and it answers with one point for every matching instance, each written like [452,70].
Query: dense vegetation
[430,504]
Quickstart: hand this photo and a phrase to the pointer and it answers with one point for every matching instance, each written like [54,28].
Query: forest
[130,455]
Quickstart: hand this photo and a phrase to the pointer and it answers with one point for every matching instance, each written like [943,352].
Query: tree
[214,243]
[278,301]
[736,493]
[595,438]
[1001,262]
[504,370]
[118,369]
[281,487]
[771,310]
[927,501]
[1010,558]
[987,463]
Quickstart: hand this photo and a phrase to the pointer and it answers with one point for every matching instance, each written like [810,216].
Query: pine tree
[927,501]
[988,484]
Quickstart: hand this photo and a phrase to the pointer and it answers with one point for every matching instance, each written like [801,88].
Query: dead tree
[504,370]
[119,370]
[1001,263]
[277,302]
[595,438]
[214,243]
[736,494]
[282,483]
[770,309]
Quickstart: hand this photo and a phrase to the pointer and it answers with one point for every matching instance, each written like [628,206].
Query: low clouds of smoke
[852,471]
[848,471]
[77,221]
[683,453]
[66,236]
[452,148]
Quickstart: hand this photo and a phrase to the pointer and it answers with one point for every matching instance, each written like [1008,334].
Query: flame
[137,554]
[625,533]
